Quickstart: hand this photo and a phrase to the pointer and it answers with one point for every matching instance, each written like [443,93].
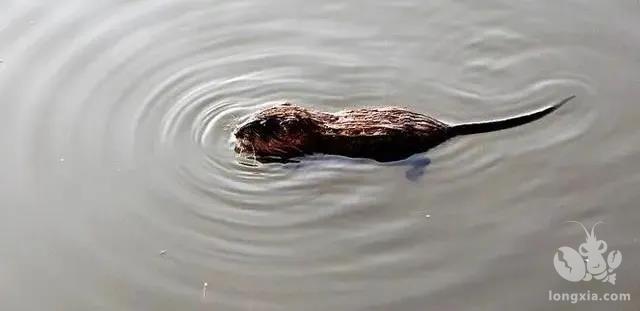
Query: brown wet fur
[386,134]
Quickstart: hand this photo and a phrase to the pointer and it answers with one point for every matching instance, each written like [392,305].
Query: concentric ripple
[125,192]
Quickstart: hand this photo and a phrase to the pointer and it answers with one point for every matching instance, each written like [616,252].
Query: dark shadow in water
[417,167]
[416,163]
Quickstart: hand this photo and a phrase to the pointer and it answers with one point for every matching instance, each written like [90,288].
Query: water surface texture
[119,188]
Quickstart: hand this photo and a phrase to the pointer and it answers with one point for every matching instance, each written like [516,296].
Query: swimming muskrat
[386,134]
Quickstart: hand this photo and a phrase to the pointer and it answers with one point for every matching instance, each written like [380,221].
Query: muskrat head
[277,133]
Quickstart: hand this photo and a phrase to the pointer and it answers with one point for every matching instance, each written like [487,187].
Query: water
[120,190]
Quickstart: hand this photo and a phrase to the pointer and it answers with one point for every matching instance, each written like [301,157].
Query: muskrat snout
[258,136]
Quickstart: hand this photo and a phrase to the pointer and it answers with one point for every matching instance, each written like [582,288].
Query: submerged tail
[490,126]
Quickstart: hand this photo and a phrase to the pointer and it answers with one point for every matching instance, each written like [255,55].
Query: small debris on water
[163,252]
[204,290]
[427,216]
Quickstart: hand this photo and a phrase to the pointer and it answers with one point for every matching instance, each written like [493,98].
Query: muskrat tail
[490,126]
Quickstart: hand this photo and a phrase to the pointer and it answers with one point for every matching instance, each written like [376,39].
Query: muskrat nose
[241,133]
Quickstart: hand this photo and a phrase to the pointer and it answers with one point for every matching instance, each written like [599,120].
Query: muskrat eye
[270,124]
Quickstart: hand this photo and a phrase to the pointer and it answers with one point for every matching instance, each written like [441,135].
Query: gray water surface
[119,189]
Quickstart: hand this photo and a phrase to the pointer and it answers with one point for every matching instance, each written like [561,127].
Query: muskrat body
[287,131]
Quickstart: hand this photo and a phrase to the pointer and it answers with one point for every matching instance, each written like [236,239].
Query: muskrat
[287,131]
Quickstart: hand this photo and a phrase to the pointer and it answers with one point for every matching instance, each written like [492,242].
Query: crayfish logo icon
[588,262]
